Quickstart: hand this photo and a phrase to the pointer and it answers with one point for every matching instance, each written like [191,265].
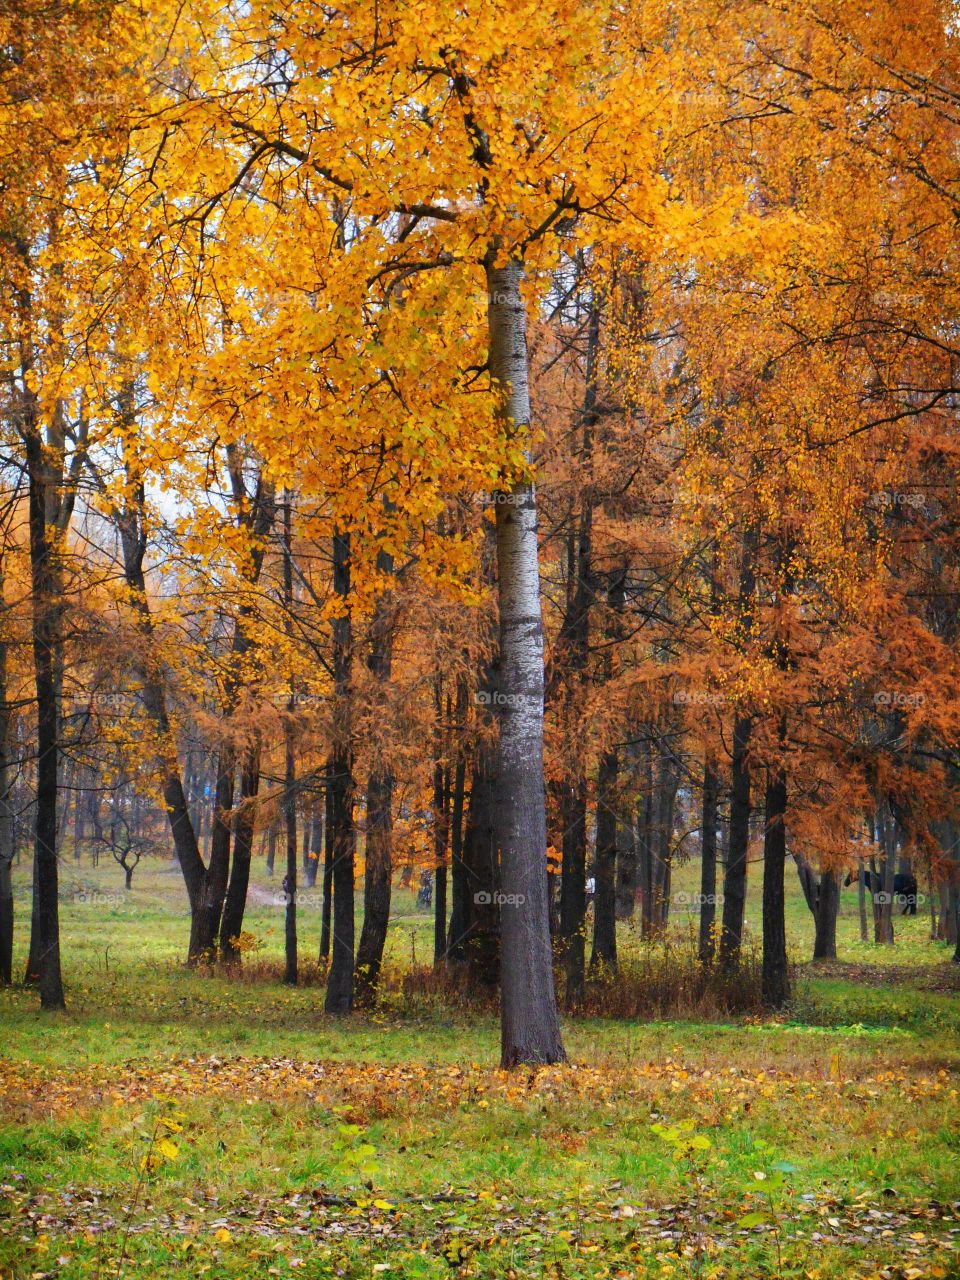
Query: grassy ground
[281,1142]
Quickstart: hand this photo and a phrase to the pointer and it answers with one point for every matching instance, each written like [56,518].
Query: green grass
[472,1172]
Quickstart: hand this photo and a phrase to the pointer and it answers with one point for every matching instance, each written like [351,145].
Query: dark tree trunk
[47,606]
[708,864]
[326,910]
[290,973]
[441,838]
[603,958]
[459,911]
[231,925]
[79,817]
[478,944]
[316,843]
[573,650]
[775,972]
[291,959]
[376,885]
[130,524]
[339,997]
[735,875]
[573,885]
[6,816]
[272,847]
[828,905]
[205,925]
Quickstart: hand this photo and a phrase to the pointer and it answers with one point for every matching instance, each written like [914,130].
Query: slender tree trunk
[603,958]
[290,973]
[326,911]
[339,997]
[6,815]
[573,650]
[316,843]
[604,955]
[775,971]
[271,847]
[459,909]
[735,876]
[708,864]
[46,599]
[530,1026]
[441,839]
[378,872]
[862,899]
[231,924]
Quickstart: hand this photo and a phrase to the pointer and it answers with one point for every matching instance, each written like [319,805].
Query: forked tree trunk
[231,924]
[530,1026]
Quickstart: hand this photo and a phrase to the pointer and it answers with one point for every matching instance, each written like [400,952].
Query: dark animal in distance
[904,888]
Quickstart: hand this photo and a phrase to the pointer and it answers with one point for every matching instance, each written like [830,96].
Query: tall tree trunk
[459,909]
[205,924]
[47,606]
[316,843]
[6,814]
[735,875]
[378,871]
[441,830]
[326,911]
[708,863]
[290,973]
[573,650]
[231,924]
[479,943]
[339,997]
[828,905]
[775,972]
[603,958]
[271,847]
[530,1026]
[862,899]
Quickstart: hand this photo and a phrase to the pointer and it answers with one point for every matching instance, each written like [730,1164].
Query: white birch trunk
[530,1026]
